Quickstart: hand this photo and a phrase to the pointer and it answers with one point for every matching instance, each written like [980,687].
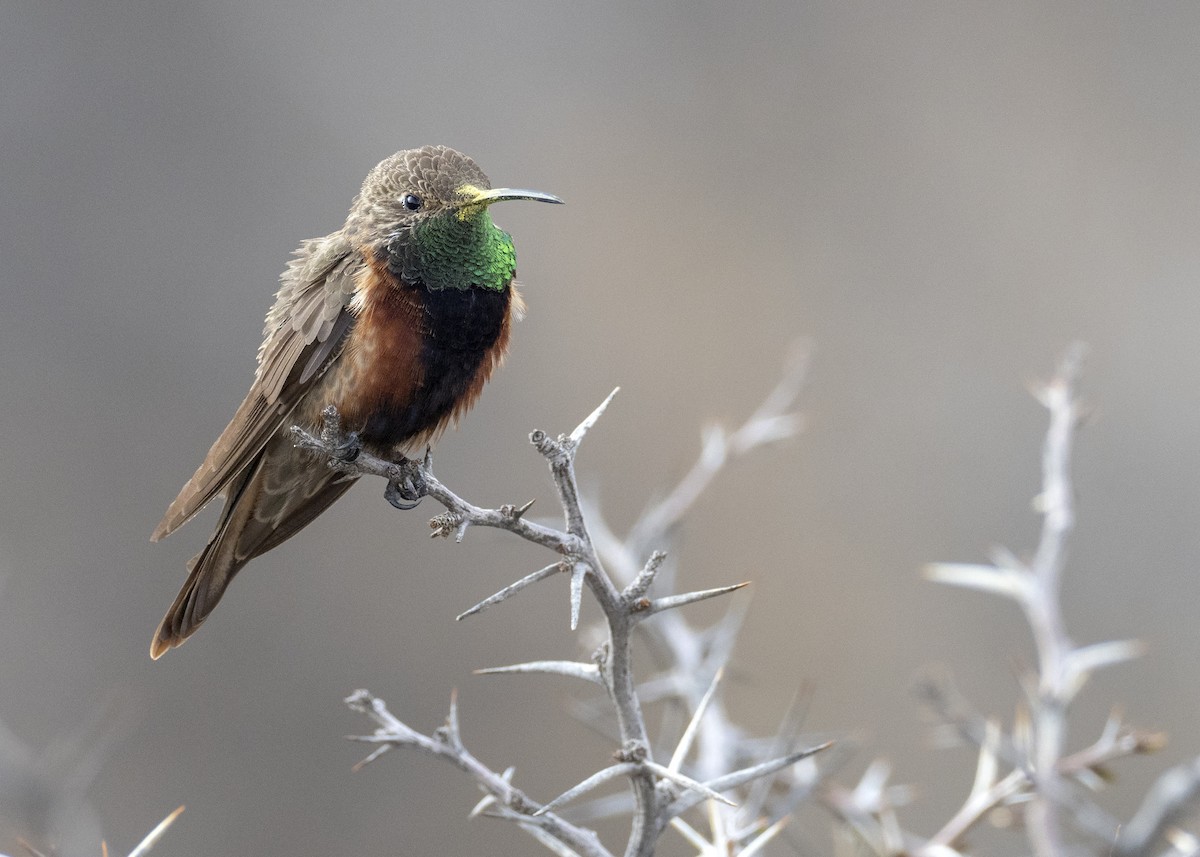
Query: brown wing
[304,332]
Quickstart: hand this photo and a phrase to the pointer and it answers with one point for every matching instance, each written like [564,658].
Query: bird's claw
[406,491]
[348,449]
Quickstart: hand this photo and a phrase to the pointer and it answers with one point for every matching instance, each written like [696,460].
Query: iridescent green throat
[449,253]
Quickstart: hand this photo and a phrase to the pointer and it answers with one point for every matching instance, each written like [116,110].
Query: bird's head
[425,212]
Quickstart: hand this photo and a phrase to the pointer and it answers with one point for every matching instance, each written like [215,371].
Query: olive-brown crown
[410,186]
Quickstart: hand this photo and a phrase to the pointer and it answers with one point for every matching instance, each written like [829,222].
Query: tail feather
[211,570]
[278,494]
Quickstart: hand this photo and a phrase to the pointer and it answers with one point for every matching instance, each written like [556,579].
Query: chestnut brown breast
[416,359]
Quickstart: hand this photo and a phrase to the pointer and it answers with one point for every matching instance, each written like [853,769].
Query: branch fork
[660,793]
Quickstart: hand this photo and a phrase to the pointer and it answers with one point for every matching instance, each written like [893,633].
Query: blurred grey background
[940,195]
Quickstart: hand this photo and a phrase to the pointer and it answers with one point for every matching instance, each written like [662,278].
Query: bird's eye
[412,202]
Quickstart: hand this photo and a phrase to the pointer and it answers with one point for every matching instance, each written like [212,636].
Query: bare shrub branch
[621,587]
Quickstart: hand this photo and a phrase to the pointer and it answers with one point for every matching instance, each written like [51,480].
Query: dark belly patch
[427,356]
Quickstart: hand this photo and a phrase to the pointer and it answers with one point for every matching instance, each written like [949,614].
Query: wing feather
[304,332]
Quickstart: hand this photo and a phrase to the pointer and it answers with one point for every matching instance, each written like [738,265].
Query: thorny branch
[1051,789]
[697,654]
[1024,771]
[1173,796]
[660,793]
[446,743]
[140,850]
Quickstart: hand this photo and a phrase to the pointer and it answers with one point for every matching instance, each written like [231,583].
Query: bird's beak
[500,194]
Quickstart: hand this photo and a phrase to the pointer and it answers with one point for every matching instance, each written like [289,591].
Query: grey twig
[488,800]
[772,421]
[596,780]
[571,669]
[640,584]
[689,734]
[365,464]
[1174,795]
[578,575]
[140,850]
[511,589]
[784,738]
[740,778]
[647,607]
[1043,608]
[156,834]
[687,782]
[446,743]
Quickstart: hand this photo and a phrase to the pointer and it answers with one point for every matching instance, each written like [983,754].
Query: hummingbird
[398,319]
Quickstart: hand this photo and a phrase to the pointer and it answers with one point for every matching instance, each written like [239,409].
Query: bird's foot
[348,449]
[405,491]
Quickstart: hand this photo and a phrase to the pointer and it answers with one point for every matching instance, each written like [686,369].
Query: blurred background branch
[1026,770]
